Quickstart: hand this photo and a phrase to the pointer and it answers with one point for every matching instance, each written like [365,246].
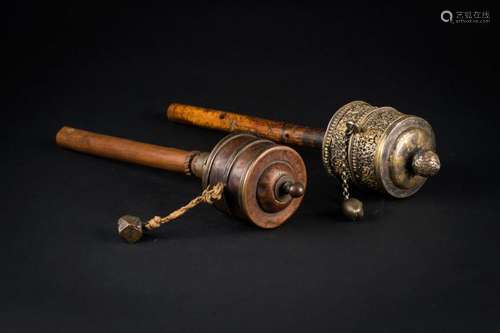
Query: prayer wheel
[377,147]
[373,147]
[263,182]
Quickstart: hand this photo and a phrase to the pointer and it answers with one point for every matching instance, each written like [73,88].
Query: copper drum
[253,170]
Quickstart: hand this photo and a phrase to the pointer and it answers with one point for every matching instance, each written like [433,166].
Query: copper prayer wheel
[263,182]
[378,148]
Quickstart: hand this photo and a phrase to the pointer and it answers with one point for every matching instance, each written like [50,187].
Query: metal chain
[351,128]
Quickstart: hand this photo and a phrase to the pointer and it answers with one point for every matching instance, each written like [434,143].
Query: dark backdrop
[427,263]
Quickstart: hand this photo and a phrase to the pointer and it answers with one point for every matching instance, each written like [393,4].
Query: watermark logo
[465,17]
[446,16]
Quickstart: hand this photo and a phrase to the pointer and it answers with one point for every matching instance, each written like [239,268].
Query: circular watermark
[447,16]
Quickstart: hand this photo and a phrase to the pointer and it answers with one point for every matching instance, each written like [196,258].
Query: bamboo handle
[170,159]
[229,122]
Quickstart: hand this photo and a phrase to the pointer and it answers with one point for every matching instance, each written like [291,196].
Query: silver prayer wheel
[385,150]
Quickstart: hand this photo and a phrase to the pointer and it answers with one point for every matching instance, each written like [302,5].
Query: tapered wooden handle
[170,159]
[229,122]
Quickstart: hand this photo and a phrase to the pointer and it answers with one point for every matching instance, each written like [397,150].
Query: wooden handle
[170,159]
[229,122]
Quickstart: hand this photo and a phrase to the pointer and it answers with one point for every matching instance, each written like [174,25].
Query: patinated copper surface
[253,170]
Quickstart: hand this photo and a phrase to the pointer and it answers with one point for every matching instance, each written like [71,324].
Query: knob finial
[426,163]
[294,189]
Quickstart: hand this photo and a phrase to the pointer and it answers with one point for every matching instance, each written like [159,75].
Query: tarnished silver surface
[426,163]
[390,152]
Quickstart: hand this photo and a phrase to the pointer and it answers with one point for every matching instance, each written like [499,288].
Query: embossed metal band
[363,148]
[334,140]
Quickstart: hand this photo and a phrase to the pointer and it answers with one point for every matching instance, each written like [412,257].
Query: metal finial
[426,163]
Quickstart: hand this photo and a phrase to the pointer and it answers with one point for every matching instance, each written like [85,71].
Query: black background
[427,263]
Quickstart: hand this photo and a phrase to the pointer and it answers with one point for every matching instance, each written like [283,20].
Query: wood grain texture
[230,122]
[170,159]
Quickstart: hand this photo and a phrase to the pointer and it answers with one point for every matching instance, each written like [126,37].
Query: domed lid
[406,156]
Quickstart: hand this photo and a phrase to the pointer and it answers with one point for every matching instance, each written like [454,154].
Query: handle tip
[62,133]
[170,110]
